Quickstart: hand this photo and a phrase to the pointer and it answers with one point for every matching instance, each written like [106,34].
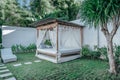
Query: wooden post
[81,36]
[57,46]
[98,37]
[37,33]
[36,40]
[57,39]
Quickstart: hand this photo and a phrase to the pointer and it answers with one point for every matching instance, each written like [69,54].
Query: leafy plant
[31,47]
[117,56]
[47,42]
[95,54]
[103,52]
[20,48]
[86,51]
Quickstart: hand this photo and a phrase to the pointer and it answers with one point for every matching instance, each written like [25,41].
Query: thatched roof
[53,20]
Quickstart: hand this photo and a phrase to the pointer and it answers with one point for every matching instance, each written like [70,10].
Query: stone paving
[18,64]
[37,61]
[26,63]
[5,74]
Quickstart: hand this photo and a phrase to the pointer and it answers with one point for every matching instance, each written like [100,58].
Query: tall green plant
[101,13]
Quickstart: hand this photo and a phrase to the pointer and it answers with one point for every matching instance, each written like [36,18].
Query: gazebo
[58,41]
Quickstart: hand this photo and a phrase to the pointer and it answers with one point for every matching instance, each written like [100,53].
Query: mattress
[51,51]
[67,51]
[62,51]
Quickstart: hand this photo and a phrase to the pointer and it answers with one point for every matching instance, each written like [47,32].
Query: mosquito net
[68,38]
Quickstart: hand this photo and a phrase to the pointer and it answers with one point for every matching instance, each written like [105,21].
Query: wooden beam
[66,55]
[48,26]
[47,53]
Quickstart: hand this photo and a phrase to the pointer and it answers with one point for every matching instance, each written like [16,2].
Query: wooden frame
[48,26]
[58,56]
[46,53]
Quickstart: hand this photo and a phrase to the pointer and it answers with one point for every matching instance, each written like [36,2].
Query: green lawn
[79,69]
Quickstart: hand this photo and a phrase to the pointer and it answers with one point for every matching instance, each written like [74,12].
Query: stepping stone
[6,70]
[17,64]
[37,61]
[28,63]
[3,67]
[5,75]
[12,78]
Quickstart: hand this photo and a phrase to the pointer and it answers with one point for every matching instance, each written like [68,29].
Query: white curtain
[53,38]
[62,36]
[69,37]
[40,37]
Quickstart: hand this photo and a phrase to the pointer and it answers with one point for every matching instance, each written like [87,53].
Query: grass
[79,69]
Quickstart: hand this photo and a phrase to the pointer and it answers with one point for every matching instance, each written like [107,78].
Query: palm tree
[101,13]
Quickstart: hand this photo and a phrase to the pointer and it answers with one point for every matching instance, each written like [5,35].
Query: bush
[21,49]
[47,42]
[117,56]
[95,54]
[117,52]
[88,53]
[103,52]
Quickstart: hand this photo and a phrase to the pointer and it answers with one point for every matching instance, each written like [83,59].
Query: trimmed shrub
[103,52]
[47,42]
[95,54]
[22,49]
[117,56]
[88,53]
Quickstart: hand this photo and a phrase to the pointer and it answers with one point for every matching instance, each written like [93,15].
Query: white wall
[17,35]
[102,39]
[91,35]
[25,36]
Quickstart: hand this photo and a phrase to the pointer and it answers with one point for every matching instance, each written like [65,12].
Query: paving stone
[5,75]
[17,64]
[3,67]
[37,61]
[28,63]
[6,70]
[11,78]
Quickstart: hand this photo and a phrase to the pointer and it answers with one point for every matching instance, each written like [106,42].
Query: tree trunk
[109,37]
[111,56]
